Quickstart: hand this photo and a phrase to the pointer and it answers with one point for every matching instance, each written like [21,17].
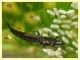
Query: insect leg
[49,34]
[37,32]
[57,37]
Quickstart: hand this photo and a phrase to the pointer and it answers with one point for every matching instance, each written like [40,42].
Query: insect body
[47,41]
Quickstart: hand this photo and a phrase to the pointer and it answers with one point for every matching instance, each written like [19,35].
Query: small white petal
[59,49]
[71,13]
[57,21]
[47,29]
[62,17]
[74,17]
[74,23]
[55,26]
[56,11]
[54,34]
[64,39]
[50,52]
[45,50]
[61,32]
[74,5]
[66,26]
[68,33]
[70,48]
[76,51]
[75,44]
[45,35]
[62,11]
[50,12]
[67,21]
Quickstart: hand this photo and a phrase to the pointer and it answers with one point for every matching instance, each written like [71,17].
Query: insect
[46,41]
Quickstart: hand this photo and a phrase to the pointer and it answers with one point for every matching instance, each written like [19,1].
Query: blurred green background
[18,15]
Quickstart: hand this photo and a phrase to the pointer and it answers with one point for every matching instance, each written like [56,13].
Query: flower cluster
[63,26]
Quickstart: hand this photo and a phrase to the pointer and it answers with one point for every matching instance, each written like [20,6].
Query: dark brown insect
[46,41]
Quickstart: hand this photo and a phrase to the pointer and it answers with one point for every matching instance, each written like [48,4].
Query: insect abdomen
[20,34]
